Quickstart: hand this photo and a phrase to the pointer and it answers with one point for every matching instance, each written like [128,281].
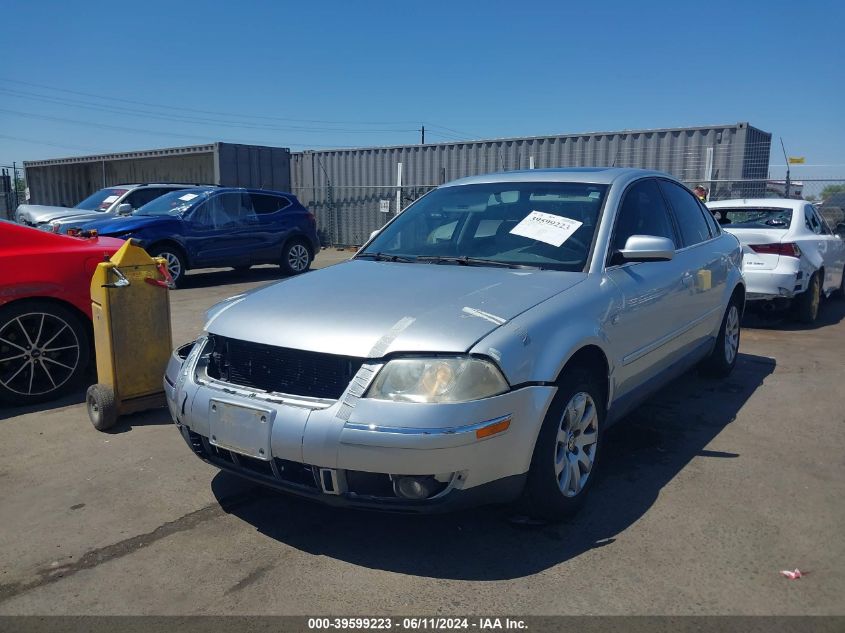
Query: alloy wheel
[174,266]
[731,334]
[575,448]
[39,352]
[298,258]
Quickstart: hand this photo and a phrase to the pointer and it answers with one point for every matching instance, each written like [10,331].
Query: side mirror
[840,229]
[124,209]
[647,248]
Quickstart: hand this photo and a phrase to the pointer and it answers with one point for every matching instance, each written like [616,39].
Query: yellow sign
[796,160]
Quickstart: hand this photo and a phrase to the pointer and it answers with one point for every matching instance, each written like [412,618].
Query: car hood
[37,213]
[370,309]
[117,225]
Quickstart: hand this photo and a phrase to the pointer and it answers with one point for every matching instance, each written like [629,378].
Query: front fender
[536,345]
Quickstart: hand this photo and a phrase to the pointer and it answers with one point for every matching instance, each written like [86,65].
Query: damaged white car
[473,351]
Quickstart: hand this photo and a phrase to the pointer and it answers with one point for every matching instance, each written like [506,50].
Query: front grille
[280,369]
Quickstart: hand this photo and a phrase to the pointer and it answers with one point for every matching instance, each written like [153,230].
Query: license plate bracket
[241,429]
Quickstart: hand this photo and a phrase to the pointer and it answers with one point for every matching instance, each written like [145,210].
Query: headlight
[457,379]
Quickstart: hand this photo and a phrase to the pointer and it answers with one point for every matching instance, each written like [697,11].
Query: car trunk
[752,260]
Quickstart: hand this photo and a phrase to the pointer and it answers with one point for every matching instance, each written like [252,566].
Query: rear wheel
[175,261]
[722,359]
[807,303]
[567,449]
[296,258]
[44,351]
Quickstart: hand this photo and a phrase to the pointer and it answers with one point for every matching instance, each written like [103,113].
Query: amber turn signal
[498,427]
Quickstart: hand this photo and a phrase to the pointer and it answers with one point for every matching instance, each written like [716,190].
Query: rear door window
[688,214]
[264,203]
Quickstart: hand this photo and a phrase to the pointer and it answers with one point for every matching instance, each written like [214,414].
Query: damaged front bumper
[356,451]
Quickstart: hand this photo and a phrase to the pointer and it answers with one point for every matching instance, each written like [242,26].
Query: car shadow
[76,396]
[643,453]
[831,312]
[150,417]
[208,278]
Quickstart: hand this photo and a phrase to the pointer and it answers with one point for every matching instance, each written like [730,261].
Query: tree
[832,189]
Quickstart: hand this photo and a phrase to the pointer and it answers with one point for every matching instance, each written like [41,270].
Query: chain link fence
[12,190]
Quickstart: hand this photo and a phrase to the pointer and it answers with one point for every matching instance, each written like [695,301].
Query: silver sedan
[475,350]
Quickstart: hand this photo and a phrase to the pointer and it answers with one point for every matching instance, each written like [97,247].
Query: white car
[790,254]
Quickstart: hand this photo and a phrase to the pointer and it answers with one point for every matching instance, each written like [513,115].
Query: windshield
[754,218]
[542,224]
[174,202]
[101,200]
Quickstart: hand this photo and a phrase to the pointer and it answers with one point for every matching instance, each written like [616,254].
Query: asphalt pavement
[705,494]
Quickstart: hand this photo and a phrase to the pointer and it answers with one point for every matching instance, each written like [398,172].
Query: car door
[272,226]
[215,231]
[704,265]
[643,324]
[831,248]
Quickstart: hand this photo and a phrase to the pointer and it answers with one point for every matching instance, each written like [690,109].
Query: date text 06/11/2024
[415,624]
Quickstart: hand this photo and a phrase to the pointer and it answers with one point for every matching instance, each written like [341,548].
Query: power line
[184,119]
[212,112]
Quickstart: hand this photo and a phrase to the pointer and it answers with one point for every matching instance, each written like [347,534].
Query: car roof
[790,203]
[183,185]
[592,175]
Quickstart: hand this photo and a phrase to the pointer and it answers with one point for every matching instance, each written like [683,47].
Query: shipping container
[66,181]
[349,189]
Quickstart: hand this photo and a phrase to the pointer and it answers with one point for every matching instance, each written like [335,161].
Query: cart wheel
[102,409]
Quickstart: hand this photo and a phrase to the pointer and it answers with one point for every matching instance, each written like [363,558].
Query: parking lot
[706,493]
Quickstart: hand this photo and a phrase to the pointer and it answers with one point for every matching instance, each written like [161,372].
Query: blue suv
[204,227]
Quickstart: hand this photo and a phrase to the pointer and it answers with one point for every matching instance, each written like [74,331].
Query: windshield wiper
[386,257]
[464,260]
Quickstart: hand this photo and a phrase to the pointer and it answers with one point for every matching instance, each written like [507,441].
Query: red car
[46,341]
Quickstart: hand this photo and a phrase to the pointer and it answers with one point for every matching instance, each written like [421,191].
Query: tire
[807,303]
[175,261]
[722,360]
[45,350]
[102,408]
[552,491]
[296,257]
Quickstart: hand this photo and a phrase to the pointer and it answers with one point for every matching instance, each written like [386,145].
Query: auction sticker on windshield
[546,227]
[188,197]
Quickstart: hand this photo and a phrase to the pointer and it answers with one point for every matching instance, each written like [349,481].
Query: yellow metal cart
[131,312]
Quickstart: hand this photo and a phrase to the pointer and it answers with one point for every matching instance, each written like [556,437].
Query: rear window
[754,217]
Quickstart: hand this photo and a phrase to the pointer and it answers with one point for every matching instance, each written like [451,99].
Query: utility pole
[422,135]
[786,158]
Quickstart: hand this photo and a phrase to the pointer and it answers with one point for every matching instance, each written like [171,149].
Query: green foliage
[832,189]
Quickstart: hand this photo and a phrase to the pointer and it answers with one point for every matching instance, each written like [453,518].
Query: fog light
[414,487]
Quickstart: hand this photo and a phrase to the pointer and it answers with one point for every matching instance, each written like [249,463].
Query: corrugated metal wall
[67,181]
[344,187]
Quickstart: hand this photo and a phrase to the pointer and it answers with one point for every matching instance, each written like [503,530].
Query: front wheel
[807,303]
[296,258]
[44,351]
[567,449]
[722,359]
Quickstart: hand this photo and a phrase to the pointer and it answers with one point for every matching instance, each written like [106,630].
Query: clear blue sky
[316,74]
